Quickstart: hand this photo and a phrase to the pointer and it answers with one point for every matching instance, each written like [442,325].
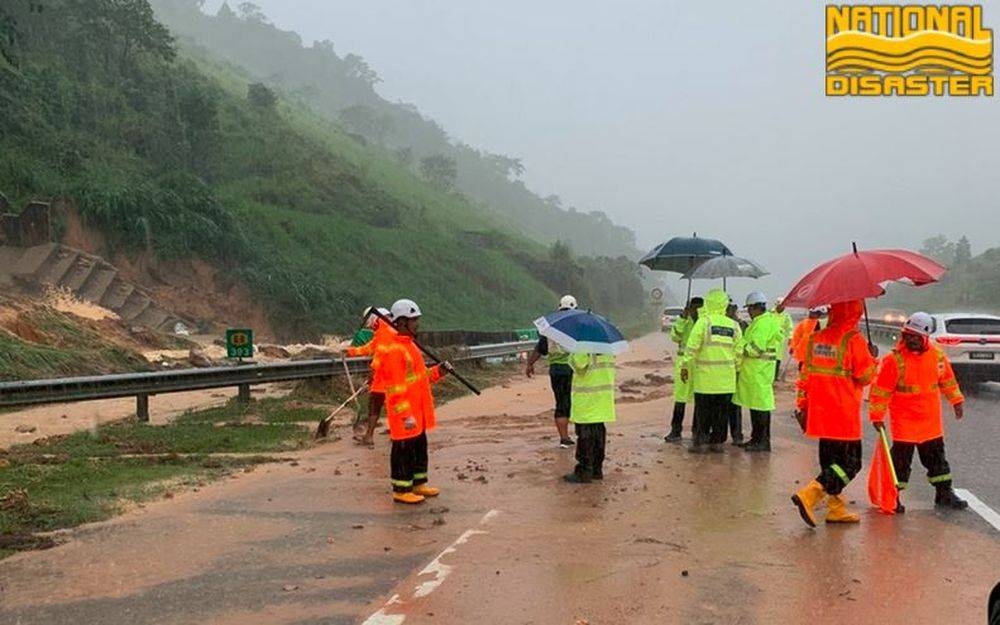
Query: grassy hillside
[342,89]
[182,156]
[971,284]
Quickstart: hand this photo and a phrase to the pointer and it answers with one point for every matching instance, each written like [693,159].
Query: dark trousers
[931,456]
[711,416]
[677,421]
[590,441]
[735,422]
[760,426]
[408,461]
[562,390]
[839,462]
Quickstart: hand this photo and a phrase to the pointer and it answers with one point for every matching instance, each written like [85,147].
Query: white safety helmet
[757,297]
[405,308]
[371,318]
[568,302]
[919,323]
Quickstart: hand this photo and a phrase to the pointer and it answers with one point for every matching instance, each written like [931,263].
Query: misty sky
[680,116]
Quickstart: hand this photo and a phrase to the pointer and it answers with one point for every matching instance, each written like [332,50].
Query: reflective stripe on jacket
[710,351]
[593,398]
[838,366]
[407,382]
[909,385]
[757,353]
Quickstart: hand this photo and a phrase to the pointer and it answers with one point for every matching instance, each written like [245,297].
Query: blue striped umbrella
[580,331]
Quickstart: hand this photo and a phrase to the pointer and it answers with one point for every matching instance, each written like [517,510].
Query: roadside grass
[268,410]
[65,481]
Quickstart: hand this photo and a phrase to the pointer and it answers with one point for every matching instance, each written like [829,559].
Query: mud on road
[666,538]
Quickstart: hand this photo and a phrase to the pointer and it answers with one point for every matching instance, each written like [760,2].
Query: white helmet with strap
[919,323]
[405,308]
[568,302]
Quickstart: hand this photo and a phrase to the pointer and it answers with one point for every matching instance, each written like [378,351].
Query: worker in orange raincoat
[409,403]
[838,365]
[378,332]
[800,335]
[909,385]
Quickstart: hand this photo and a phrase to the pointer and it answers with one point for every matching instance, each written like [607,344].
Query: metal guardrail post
[243,396]
[142,407]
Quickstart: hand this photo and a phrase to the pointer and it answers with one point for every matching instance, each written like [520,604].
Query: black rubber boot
[576,478]
[946,497]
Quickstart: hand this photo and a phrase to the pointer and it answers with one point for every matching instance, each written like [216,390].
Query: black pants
[735,422]
[677,422]
[408,461]
[777,371]
[839,462]
[760,426]
[711,417]
[590,441]
[931,456]
[562,389]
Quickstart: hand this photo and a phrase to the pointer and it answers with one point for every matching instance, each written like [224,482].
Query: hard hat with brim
[919,323]
[756,298]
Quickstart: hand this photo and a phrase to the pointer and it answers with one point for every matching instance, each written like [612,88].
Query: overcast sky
[679,116]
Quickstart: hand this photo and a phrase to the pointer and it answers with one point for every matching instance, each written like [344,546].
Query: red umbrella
[861,275]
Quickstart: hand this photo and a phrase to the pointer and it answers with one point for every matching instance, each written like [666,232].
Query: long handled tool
[354,394]
[888,455]
[432,355]
[323,429]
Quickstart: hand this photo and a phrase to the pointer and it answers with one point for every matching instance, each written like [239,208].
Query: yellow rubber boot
[806,499]
[837,511]
[426,491]
[407,498]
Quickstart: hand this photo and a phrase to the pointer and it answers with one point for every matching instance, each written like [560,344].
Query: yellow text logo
[884,50]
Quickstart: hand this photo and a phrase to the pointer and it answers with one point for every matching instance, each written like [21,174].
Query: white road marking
[989,514]
[435,567]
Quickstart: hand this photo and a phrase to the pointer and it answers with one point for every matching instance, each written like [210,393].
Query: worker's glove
[873,349]
[684,375]
[445,368]
[409,423]
[959,409]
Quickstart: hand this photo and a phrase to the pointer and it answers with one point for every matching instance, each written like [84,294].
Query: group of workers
[723,365]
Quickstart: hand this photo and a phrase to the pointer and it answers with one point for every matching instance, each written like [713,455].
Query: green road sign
[239,343]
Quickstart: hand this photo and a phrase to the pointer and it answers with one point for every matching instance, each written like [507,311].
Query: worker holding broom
[911,380]
[399,365]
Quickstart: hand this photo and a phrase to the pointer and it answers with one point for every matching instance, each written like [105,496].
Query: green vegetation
[62,346]
[190,156]
[342,90]
[972,283]
[89,476]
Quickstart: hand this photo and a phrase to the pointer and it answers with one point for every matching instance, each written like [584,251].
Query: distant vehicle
[669,317]
[894,317]
[972,343]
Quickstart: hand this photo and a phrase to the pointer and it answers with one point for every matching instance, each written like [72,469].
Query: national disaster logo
[885,50]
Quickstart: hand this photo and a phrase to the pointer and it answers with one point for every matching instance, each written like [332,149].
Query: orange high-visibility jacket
[909,385]
[837,367]
[384,333]
[800,338]
[408,400]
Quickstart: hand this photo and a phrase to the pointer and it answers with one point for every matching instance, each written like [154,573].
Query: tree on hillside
[358,68]
[133,24]
[8,35]
[405,156]
[963,251]
[439,170]
[506,166]
[259,95]
[553,200]
[252,13]
[366,122]
[940,249]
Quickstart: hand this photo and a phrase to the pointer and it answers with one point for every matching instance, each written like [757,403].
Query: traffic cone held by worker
[883,488]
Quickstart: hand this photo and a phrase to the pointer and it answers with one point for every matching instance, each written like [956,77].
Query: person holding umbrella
[593,344]
[560,376]
[709,361]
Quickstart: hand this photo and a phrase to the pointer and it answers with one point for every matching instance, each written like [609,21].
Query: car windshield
[973,325]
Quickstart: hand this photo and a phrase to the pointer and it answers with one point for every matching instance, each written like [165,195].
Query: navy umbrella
[580,331]
[684,254]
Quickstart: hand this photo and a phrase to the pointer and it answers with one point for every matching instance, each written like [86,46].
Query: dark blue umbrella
[684,254]
[580,331]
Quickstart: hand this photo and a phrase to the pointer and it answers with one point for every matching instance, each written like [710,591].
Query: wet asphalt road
[973,445]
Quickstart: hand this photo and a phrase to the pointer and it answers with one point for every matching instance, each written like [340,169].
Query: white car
[972,343]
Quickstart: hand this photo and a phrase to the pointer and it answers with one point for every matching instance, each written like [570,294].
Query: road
[666,538]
